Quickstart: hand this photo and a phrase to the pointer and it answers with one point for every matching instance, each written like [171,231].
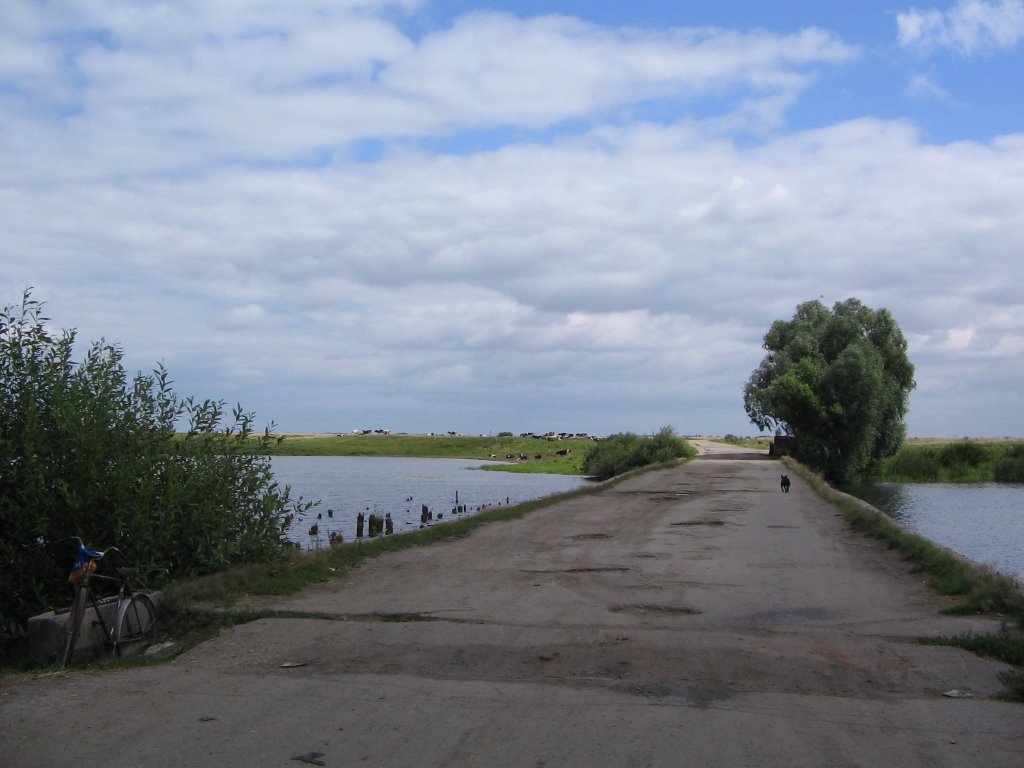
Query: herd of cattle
[524,457]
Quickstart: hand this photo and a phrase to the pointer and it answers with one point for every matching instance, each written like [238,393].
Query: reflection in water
[983,521]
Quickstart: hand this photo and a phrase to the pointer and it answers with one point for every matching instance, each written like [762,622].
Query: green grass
[956,461]
[981,589]
[200,606]
[757,443]
[447,446]
[196,609]
[1007,647]
[1013,684]
[222,591]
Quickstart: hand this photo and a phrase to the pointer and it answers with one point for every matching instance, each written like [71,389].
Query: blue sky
[517,216]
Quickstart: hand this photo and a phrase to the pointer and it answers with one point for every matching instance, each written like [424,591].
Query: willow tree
[839,382]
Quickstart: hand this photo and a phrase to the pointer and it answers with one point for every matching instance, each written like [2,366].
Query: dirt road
[692,616]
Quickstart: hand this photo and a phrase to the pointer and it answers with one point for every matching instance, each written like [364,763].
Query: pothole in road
[699,522]
[581,569]
[586,536]
[660,496]
[698,696]
[370,617]
[793,616]
[597,569]
[654,610]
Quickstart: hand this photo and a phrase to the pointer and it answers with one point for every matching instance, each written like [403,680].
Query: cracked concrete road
[690,616]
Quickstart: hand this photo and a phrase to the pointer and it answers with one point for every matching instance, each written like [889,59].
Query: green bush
[84,451]
[962,461]
[912,464]
[1010,468]
[623,452]
[963,453]
[1010,471]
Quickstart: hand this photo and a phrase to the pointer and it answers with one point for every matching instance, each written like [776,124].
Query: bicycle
[134,615]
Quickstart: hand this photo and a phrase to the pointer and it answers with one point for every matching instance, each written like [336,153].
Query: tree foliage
[86,451]
[839,382]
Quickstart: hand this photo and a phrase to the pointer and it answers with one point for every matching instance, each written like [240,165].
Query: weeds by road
[983,590]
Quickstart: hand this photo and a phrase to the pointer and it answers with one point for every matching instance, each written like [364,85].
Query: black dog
[785,483]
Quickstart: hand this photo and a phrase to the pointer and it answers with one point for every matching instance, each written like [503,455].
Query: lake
[348,485]
[982,521]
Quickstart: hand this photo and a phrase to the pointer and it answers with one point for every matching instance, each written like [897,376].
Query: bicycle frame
[85,595]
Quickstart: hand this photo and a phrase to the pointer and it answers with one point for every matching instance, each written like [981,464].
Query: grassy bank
[757,443]
[541,455]
[981,590]
[933,461]
[198,608]
[225,589]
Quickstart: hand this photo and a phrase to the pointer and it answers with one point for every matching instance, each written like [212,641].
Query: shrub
[623,452]
[1010,468]
[962,461]
[962,453]
[912,464]
[86,452]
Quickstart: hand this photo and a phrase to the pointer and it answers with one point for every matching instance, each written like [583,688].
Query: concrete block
[47,632]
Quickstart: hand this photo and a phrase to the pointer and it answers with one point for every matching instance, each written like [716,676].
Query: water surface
[982,521]
[348,485]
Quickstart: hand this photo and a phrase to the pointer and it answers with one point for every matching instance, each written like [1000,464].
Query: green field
[446,447]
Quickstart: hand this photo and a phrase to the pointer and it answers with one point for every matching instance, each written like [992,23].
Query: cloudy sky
[522,215]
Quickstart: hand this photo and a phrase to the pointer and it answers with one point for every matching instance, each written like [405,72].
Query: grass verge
[541,455]
[981,589]
[1006,646]
[757,443]
[196,610]
[199,608]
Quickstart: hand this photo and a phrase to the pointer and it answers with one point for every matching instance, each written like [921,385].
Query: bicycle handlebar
[86,555]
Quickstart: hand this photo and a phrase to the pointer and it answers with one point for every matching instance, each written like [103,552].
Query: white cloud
[190,187]
[968,27]
[639,261]
[922,86]
[173,88]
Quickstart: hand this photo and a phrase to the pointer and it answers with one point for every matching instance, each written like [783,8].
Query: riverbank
[555,456]
[959,461]
[696,606]
[411,492]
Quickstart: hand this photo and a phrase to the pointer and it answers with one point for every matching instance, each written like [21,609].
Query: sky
[517,216]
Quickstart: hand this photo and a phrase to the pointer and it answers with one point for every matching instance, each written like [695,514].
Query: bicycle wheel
[73,626]
[136,627]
